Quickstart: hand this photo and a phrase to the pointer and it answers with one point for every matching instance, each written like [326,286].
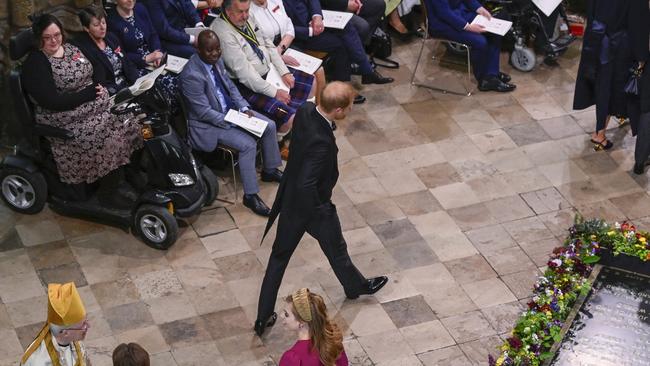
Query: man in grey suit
[209,94]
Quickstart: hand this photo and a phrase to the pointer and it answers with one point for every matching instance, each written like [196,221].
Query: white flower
[557,261]
[617,225]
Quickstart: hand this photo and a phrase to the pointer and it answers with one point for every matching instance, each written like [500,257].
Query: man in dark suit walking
[303,202]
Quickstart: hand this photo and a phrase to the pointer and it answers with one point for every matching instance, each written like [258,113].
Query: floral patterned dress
[102,141]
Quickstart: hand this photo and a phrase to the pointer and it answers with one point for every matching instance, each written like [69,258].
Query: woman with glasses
[58,78]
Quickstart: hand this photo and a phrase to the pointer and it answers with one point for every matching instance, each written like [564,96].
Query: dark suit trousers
[369,18]
[325,228]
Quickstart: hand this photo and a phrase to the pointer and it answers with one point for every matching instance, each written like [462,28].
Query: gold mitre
[64,305]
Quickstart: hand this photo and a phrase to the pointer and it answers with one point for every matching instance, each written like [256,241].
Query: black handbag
[632,85]
[381,47]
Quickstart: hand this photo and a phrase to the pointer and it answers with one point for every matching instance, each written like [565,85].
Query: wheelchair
[169,182]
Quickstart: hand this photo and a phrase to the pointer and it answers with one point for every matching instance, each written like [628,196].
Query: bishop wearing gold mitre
[59,342]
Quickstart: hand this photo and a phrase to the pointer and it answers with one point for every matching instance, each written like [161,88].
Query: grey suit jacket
[242,62]
[205,117]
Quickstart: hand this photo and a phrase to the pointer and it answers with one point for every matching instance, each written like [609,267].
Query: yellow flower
[611,233]
[593,237]
[642,239]
[500,361]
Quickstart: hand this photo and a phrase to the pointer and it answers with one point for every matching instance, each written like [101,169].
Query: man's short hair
[228,3]
[205,35]
[131,354]
[336,94]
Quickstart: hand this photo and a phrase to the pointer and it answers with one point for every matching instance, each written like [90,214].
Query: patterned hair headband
[300,300]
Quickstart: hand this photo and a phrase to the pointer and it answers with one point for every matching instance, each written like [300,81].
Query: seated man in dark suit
[209,94]
[451,19]
[344,46]
[170,18]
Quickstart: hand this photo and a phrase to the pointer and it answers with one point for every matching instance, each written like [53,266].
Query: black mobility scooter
[170,183]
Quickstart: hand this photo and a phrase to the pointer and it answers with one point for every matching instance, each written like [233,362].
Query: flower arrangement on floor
[565,279]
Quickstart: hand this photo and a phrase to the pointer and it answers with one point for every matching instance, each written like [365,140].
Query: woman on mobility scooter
[57,76]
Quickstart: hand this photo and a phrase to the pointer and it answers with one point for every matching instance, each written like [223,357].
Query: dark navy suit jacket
[126,33]
[454,14]
[171,17]
[301,12]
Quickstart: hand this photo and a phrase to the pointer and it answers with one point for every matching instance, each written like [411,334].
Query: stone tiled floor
[458,200]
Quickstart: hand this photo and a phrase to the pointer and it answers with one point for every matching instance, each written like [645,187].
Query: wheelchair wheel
[523,59]
[23,191]
[211,184]
[455,49]
[156,226]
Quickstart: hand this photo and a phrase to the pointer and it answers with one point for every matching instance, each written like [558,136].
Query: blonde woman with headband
[320,341]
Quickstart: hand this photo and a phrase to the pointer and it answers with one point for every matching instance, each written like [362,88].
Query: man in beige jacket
[249,57]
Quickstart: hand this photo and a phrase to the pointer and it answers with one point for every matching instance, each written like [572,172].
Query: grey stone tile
[64,273]
[605,210]
[413,254]
[528,230]
[509,260]
[521,283]
[10,240]
[438,175]
[113,293]
[527,133]
[238,266]
[126,317]
[50,255]
[508,208]
[417,203]
[540,251]
[380,211]
[634,206]
[227,323]
[511,115]
[545,200]
[27,333]
[470,269]
[450,356]
[185,332]
[559,222]
[502,317]
[396,233]
[472,217]
[468,326]
[408,311]
[490,238]
[487,293]
[213,222]
[478,350]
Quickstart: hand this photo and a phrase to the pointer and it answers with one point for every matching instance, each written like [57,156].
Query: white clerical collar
[322,115]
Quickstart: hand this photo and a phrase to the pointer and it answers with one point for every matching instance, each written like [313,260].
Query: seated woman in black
[58,78]
[114,71]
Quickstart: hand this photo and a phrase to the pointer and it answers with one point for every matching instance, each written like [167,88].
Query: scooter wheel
[23,191]
[211,183]
[156,226]
[523,59]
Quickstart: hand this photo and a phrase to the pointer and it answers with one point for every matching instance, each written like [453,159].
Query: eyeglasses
[54,37]
[84,326]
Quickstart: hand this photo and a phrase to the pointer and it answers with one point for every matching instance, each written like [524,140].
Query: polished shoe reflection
[372,286]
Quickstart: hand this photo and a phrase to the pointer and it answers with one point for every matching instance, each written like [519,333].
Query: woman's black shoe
[404,37]
[261,326]
[359,99]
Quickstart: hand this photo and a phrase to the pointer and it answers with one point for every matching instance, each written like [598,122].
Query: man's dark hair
[228,3]
[131,354]
[39,24]
[87,14]
[204,36]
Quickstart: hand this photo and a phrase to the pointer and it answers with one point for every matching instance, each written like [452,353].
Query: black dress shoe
[359,99]
[639,168]
[255,203]
[261,326]
[375,78]
[504,77]
[551,62]
[275,176]
[494,84]
[372,286]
